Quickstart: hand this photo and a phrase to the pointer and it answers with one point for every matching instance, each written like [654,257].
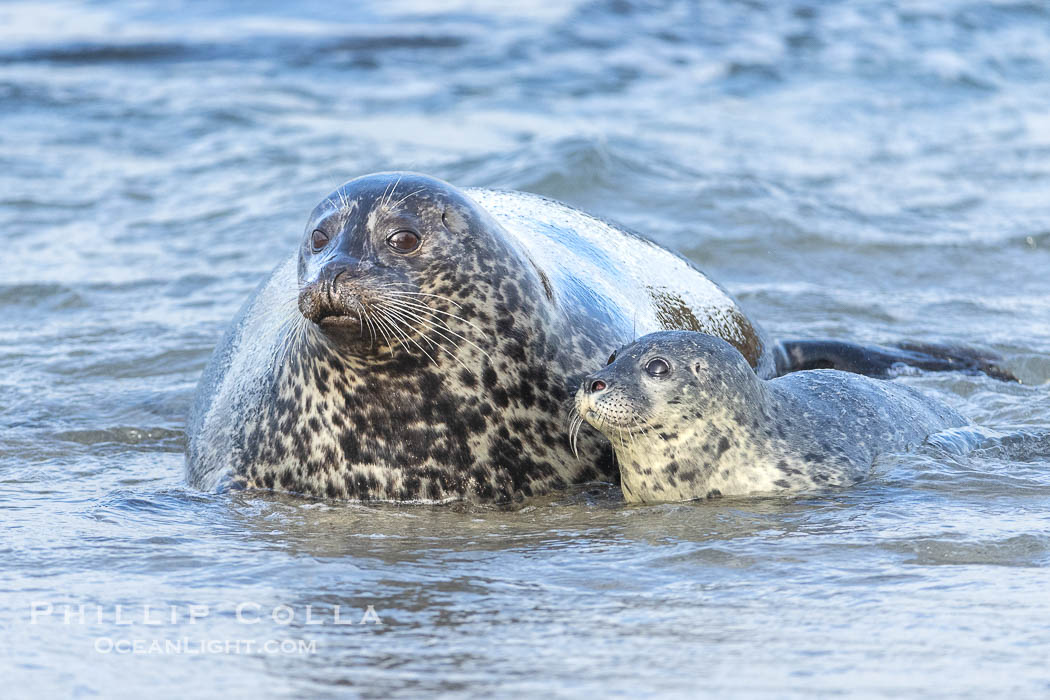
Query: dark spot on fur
[468,378]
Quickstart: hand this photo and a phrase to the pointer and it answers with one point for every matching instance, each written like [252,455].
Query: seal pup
[688,418]
[424,342]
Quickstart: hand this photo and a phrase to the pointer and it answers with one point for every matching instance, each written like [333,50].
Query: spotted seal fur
[688,418]
[424,342]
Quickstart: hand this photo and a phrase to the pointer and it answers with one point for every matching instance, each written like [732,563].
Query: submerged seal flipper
[882,361]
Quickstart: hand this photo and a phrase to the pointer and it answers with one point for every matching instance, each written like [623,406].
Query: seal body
[424,344]
[688,419]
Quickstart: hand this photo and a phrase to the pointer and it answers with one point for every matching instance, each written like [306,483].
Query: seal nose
[339,266]
[597,385]
[334,292]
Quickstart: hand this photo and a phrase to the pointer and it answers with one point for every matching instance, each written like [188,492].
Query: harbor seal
[688,418]
[424,343]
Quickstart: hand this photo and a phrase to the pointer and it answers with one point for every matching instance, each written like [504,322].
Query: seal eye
[612,359]
[403,241]
[319,239]
[657,367]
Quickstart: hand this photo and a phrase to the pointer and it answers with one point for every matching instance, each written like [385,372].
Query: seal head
[665,381]
[384,260]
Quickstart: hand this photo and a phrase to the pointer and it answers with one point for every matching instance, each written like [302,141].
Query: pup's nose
[597,385]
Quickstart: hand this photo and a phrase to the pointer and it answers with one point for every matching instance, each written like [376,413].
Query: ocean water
[870,170]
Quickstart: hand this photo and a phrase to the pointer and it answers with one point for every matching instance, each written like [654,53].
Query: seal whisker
[427,307]
[292,333]
[386,190]
[437,345]
[385,322]
[573,416]
[286,311]
[421,189]
[342,203]
[382,329]
[288,345]
[399,292]
[443,329]
[439,326]
[388,324]
[429,310]
[576,434]
[574,431]
[421,299]
[570,412]
[443,332]
[367,321]
[384,203]
[396,326]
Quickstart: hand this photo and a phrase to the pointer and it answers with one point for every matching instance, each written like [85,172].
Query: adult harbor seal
[688,418]
[424,342]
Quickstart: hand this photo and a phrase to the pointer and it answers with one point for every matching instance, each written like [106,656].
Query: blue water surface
[870,170]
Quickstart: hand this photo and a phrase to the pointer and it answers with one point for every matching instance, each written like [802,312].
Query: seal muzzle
[335,296]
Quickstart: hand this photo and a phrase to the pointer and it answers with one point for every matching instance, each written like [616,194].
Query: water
[857,170]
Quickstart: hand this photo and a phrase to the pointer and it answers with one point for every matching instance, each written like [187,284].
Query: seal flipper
[881,361]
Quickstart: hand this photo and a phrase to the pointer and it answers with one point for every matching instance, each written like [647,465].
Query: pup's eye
[612,359]
[657,367]
[319,239]
[403,241]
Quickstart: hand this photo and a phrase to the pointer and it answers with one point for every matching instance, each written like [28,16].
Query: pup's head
[662,381]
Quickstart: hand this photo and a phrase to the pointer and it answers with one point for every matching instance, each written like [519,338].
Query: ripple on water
[157,438]
[55,297]
[1020,550]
